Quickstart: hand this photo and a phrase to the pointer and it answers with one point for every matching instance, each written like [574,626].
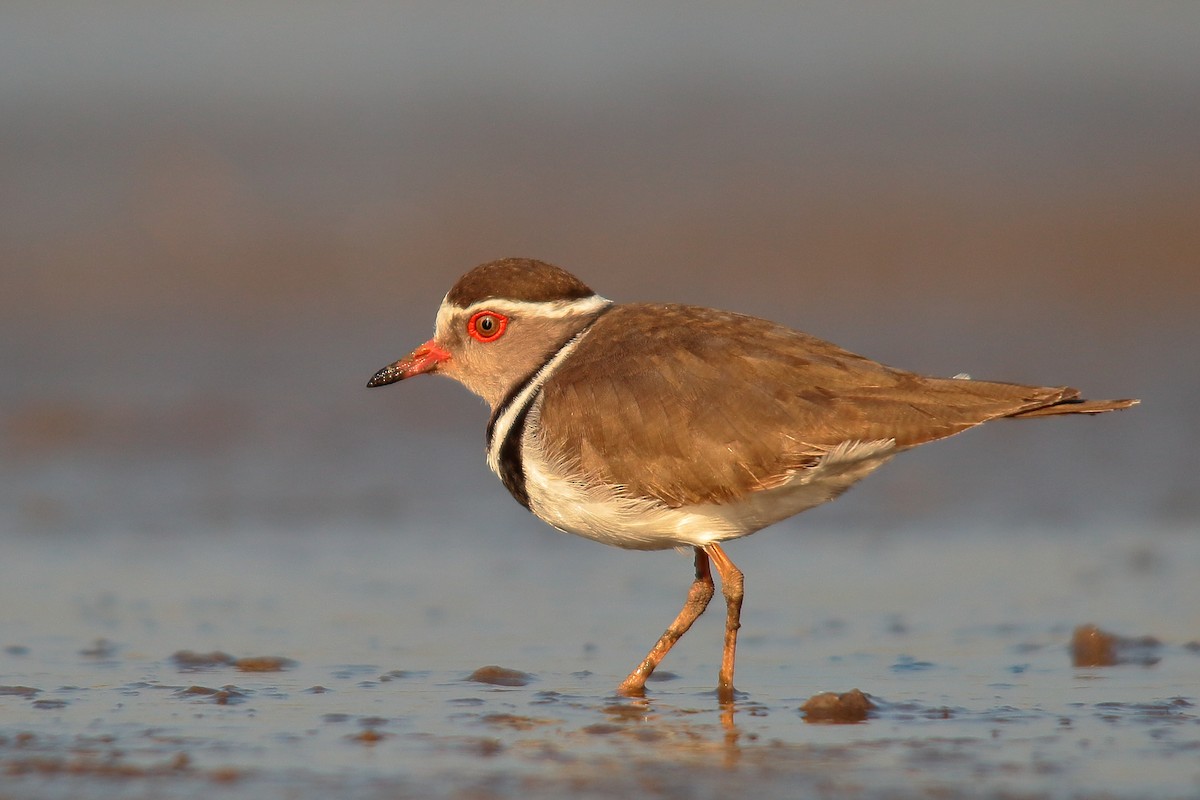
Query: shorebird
[650,426]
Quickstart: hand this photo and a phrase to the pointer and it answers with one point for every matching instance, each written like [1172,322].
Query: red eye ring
[486,326]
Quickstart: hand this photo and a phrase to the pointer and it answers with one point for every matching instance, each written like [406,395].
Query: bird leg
[731,586]
[697,600]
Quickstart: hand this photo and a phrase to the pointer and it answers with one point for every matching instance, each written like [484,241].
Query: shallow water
[961,641]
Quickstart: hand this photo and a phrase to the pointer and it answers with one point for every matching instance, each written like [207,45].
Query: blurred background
[217,220]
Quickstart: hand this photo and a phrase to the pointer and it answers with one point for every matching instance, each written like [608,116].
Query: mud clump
[500,676]
[263,664]
[191,661]
[369,736]
[86,765]
[224,696]
[1093,647]
[829,707]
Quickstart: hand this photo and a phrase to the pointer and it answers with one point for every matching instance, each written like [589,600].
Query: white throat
[520,403]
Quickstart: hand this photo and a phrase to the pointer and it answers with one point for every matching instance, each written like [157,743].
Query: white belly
[606,514]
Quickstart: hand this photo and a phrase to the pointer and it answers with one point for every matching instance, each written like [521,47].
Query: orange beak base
[426,358]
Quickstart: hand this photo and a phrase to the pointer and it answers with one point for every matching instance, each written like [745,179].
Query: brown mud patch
[192,661]
[224,696]
[500,676]
[846,708]
[1093,647]
[263,664]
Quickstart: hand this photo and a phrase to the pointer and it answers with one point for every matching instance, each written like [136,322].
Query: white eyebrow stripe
[546,309]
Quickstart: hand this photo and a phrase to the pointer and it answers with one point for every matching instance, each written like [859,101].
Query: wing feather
[687,405]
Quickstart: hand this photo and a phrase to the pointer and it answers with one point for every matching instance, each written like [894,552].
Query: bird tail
[1072,403]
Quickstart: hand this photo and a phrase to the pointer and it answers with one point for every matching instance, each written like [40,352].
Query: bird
[651,426]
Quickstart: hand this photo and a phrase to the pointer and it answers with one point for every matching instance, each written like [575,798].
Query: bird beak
[426,358]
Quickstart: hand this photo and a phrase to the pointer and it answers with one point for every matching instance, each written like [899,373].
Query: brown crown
[517,279]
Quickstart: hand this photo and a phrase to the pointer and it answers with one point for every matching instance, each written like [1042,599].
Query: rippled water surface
[371,638]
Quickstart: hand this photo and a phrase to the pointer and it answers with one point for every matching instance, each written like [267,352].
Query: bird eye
[486,326]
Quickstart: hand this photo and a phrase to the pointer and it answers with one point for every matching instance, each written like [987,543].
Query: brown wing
[686,405]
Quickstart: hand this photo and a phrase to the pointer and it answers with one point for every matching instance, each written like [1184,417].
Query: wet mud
[1093,647]
[847,707]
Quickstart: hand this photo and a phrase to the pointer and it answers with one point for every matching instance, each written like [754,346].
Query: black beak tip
[383,377]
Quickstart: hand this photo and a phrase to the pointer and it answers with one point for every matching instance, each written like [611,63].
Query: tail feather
[1075,405]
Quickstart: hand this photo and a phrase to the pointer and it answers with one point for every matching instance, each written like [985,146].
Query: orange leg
[697,600]
[731,586]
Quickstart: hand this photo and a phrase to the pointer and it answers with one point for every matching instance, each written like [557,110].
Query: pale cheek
[464,369]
